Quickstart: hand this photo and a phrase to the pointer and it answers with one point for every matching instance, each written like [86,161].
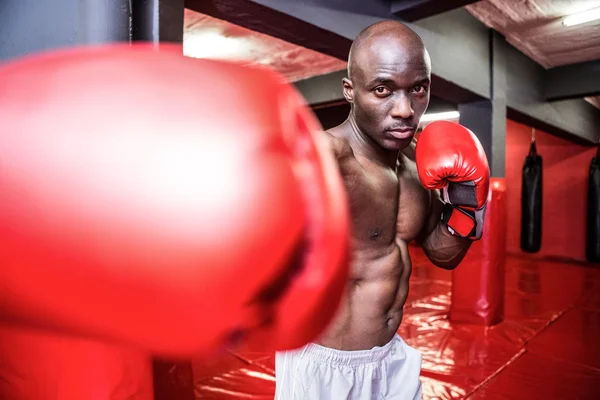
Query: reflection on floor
[548,346]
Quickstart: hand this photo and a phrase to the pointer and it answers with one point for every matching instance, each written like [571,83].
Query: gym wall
[564,199]
[565,177]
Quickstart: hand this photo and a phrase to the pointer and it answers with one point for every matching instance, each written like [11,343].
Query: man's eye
[419,89]
[381,90]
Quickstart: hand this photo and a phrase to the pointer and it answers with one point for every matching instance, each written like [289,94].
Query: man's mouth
[402,133]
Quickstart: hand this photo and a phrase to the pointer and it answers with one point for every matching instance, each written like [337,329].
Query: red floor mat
[574,338]
[552,324]
[537,377]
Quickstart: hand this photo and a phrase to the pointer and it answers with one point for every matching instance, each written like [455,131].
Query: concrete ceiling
[208,37]
[535,28]
[532,26]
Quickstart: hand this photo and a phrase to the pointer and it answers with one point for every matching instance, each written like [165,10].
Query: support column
[33,26]
[487,118]
[478,282]
[158,20]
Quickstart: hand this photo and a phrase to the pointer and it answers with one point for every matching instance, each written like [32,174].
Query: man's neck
[363,145]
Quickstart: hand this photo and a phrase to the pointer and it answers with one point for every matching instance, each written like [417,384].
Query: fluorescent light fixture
[582,17]
[448,115]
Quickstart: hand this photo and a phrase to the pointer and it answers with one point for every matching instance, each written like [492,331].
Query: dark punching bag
[173,380]
[531,202]
[592,248]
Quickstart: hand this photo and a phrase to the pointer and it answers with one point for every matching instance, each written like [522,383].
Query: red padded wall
[565,167]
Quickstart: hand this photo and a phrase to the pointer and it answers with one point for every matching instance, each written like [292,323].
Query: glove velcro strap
[464,222]
[460,193]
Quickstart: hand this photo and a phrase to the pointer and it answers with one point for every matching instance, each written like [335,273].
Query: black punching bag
[173,380]
[592,248]
[531,202]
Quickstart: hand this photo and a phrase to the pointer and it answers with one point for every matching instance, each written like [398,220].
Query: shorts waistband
[329,356]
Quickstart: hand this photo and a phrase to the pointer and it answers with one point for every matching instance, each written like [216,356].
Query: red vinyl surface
[478,285]
[547,347]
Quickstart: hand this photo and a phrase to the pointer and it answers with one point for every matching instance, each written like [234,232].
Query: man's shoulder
[340,146]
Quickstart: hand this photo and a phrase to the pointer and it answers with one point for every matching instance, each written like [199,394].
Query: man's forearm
[444,249]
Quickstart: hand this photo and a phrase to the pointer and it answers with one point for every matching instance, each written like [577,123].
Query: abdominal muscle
[371,312]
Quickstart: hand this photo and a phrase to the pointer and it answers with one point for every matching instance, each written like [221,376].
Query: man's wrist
[463,222]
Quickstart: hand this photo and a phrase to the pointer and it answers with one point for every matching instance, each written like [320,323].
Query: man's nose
[402,107]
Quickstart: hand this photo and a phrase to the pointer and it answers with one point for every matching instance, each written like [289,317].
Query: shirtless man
[392,187]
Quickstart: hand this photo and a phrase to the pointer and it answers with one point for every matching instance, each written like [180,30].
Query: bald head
[389,77]
[385,36]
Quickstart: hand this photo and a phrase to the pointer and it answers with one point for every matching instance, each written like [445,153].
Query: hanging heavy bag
[173,380]
[592,248]
[531,202]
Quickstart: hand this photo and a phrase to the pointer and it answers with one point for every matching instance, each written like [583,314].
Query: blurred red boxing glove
[449,157]
[174,203]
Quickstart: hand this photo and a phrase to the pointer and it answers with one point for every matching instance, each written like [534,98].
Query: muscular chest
[385,206]
[414,204]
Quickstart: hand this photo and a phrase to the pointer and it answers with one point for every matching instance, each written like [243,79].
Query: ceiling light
[448,115]
[582,17]
[213,44]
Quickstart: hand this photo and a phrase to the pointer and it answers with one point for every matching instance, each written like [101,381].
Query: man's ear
[348,90]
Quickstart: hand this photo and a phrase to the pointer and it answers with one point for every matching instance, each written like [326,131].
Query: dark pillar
[478,283]
[158,20]
[487,118]
[477,116]
[32,26]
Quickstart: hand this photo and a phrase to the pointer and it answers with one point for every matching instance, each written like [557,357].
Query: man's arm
[450,158]
[441,247]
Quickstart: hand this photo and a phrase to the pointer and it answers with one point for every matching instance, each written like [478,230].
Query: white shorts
[315,372]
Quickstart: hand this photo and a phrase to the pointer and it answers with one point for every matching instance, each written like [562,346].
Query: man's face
[389,92]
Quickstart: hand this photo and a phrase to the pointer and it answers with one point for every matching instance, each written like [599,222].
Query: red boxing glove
[449,157]
[181,205]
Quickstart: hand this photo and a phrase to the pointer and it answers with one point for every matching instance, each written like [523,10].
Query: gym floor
[547,347]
